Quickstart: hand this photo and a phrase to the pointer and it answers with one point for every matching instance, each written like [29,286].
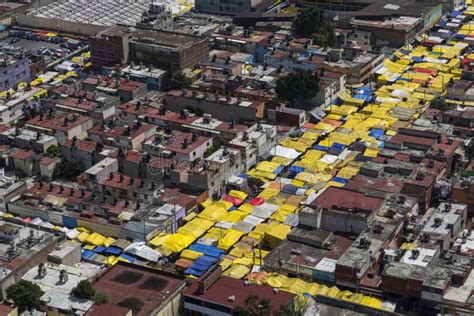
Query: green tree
[117,71]
[25,294]
[180,81]
[100,298]
[312,23]
[53,150]
[298,87]
[67,169]
[83,290]
[254,306]
[217,142]
[439,103]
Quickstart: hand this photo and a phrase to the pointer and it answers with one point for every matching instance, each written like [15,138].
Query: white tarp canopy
[244,227]
[265,210]
[328,159]
[139,249]
[224,224]
[254,220]
[282,151]
[72,234]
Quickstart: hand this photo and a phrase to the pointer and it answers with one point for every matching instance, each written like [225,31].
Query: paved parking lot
[28,44]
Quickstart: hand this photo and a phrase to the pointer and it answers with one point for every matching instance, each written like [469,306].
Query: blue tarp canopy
[417,59]
[203,263]
[340,180]
[128,257]
[279,169]
[113,250]
[99,249]
[207,250]
[297,169]
[404,51]
[191,271]
[365,97]
[290,189]
[454,14]
[338,146]
[243,176]
[376,133]
[87,254]
[200,266]
[322,148]
[207,259]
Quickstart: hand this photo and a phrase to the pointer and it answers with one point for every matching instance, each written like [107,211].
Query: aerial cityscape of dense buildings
[231,157]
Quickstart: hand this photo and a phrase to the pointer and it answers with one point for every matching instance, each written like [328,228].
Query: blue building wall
[12,73]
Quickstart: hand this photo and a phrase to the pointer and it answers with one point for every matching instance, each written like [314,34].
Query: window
[194,154]
[18,76]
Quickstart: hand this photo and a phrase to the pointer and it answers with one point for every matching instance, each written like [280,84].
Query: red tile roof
[57,123]
[83,145]
[177,142]
[22,154]
[5,309]
[105,81]
[142,288]
[4,128]
[107,309]
[339,197]
[134,156]
[119,131]
[46,160]
[124,184]
[403,139]
[42,190]
[224,287]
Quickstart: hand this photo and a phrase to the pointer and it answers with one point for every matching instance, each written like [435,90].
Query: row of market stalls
[239,230]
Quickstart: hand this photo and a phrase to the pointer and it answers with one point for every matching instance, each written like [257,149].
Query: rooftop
[334,197]
[165,39]
[60,123]
[138,288]
[178,142]
[121,132]
[225,287]
[104,12]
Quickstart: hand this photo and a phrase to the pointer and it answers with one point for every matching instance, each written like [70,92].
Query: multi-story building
[254,143]
[127,137]
[63,127]
[170,51]
[220,107]
[178,145]
[13,71]
[225,6]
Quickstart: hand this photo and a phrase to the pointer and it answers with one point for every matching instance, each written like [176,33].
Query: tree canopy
[312,23]
[83,290]
[25,294]
[53,150]
[298,87]
[254,306]
[180,81]
[67,169]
